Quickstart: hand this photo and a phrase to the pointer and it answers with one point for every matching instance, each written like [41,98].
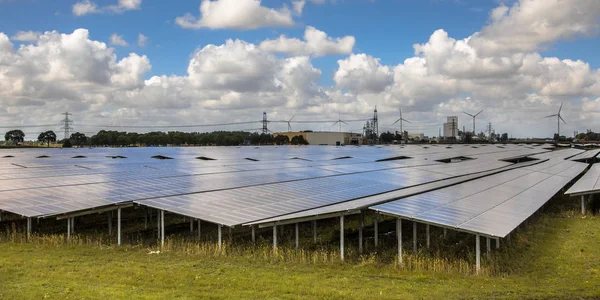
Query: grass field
[556,256]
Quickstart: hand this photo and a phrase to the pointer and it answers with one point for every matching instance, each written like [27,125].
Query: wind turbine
[473,116]
[339,121]
[288,122]
[558,118]
[401,120]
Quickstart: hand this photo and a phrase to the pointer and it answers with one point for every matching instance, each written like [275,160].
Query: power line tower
[265,129]
[491,132]
[66,124]
[375,125]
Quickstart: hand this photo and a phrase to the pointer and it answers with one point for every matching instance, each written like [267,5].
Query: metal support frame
[445,232]
[191,225]
[376,230]
[414,236]
[158,225]
[360,232]
[146,219]
[427,233]
[399,235]
[73,224]
[583,204]
[342,237]
[230,235]
[275,239]
[253,234]
[477,254]
[119,226]
[497,243]
[220,236]
[162,228]
[488,247]
[297,237]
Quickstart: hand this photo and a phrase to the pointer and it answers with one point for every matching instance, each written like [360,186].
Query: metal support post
[119,226]
[191,225]
[275,239]
[342,237]
[253,234]
[583,204]
[297,237]
[28,228]
[497,243]
[146,219]
[415,236]
[68,229]
[488,247]
[220,233]
[376,229]
[360,232]
[477,254]
[399,235]
[162,228]
[445,232]
[73,224]
[109,223]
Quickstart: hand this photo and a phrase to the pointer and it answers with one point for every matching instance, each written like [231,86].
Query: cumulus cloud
[530,25]
[316,43]
[516,83]
[362,73]
[26,36]
[86,7]
[236,14]
[118,40]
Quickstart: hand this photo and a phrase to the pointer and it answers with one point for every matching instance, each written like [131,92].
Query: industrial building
[451,127]
[331,138]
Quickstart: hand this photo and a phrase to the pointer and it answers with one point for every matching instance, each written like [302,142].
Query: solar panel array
[237,185]
[493,205]
[589,183]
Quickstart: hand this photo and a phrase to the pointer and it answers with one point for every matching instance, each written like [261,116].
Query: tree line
[158,138]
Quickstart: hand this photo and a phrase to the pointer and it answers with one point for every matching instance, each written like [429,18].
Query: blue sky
[385,29]
[514,63]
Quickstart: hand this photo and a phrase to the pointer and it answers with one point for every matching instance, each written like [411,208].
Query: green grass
[556,256]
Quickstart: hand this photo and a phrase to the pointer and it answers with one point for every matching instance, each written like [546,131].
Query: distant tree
[299,140]
[282,140]
[468,137]
[504,137]
[15,136]
[78,139]
[47,137]
[386,137]
[123,140]
[67,143]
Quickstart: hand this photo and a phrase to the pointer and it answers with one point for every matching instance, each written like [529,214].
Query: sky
[175,63]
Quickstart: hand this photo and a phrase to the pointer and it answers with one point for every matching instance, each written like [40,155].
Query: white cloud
[362,73]
[298,6]
[142,40]
[26,36]
[530,25]
[236,14]
[86,7]
[118,40]
[517,86]
[316,43]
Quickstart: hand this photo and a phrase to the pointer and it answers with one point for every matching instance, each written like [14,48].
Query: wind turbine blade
[550,116]
[562,119]
[395,122]
[292,118]
[335,123]
[405,120]
[344,122]
[468,113]
[477,114]
[560,108]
